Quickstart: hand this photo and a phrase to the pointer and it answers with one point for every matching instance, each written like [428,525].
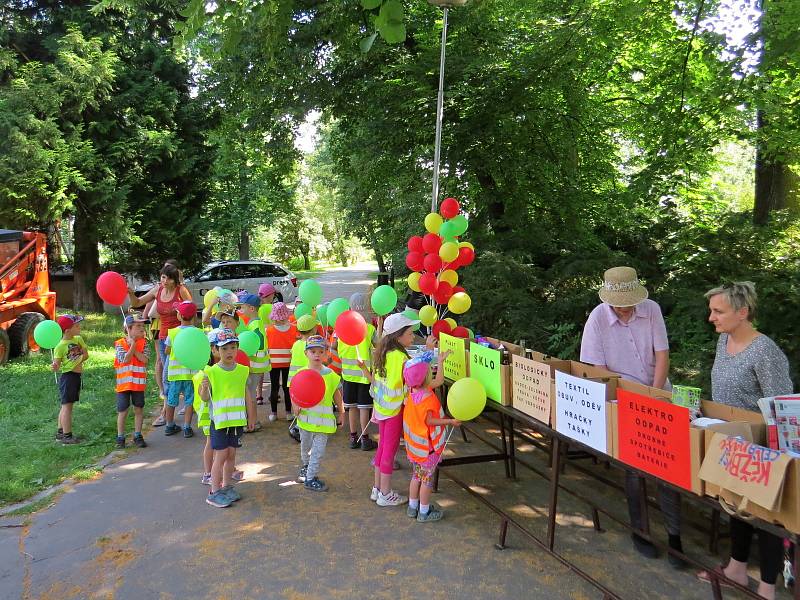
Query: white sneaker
[391,499]
[272,416]
[374,495]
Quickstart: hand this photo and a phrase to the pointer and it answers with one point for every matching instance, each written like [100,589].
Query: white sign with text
[581,410]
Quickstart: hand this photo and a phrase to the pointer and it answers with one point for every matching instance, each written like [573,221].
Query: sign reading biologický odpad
[532,388]
[484,365]
[654,437]
[581,410]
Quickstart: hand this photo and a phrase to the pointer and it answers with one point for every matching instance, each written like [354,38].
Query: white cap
[396,322]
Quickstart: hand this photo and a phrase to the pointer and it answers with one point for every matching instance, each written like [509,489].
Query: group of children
[374,381]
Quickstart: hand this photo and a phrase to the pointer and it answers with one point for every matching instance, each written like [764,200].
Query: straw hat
[621,287]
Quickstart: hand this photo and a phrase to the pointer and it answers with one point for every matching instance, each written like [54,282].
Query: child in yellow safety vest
[355,387]
[318,422]
[281,336]
[225,389]
[259,363]
[131,355]
[178,375]
[424,424]
[307,325]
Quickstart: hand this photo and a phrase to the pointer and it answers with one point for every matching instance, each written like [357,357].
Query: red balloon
[351,328]
[415,243]
[414,261]
[112,288]
[449,208]
[458,288]
[466,256]
[443,292]
[431,242]
[432,263]
[454,265]
[460,332]
[428,284]
[307,388]
[242,359]
[440,326]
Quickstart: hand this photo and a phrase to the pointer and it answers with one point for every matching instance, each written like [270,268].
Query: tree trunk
[379,257]
[87,264]
[306,261]
[772,179]
[244,244]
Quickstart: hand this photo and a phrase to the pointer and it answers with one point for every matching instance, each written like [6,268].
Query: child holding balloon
[314,411]
[68,358]
[259,362]
[423,420]
[179,376]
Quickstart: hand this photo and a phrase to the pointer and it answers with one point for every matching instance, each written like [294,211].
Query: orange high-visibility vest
[332,359]
[131,376]
[421,440]
[280,345]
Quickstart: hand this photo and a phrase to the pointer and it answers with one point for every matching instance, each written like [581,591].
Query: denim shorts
[228,437]
[175,389]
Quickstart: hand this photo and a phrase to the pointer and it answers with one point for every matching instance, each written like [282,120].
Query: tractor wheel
[5,347]
[21,334]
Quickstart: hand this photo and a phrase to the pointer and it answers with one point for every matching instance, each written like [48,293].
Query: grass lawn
[30,458]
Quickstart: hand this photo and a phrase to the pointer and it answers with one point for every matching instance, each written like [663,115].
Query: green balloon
[47,334]
[191,348]
[310,292]
[303,309]
[322,314]
[335,308]
[450,239]
[466,399]
[414,316]
[249,342]
[384,300]
[460,224]
[448,229]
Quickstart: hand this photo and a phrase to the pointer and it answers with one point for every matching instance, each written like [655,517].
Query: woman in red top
[169,291]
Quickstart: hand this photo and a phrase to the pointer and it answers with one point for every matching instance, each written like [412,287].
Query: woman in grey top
[748,366]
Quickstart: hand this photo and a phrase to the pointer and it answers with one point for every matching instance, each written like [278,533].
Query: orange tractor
[25,296]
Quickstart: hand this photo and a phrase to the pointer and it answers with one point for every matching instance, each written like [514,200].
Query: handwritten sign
[484,365]
[581,410]
[455,365]
[654,437]
[532,383]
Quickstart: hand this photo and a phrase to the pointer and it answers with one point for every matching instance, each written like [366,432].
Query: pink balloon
[112,288]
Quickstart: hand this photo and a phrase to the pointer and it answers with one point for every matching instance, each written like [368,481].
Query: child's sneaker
[120,441]
[294,433]
[272,416]
[231,493]
[302,476]
[70,439]
[412,512]
[187,432]
[391,499]
[353,443]
[260,400]
[367,444]
[219,499]
[237,475]
[374,494]
[289,417]
[60,435]
[171,429]
[139,441]
[315,485]
[433,514]
[206,479]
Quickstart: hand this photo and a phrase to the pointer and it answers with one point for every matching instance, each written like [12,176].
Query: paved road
[142,530]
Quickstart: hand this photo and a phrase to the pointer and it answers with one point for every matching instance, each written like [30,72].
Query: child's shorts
[356,395]
[125,399]
[69,387]
[183,386]
[422,473]
[228,437]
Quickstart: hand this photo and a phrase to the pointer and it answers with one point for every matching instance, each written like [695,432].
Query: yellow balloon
[428,315]
[449,276]
[210,298]
[451,322]
[459,303]
[433,222]
[466,245]
[413,281]
[449,251]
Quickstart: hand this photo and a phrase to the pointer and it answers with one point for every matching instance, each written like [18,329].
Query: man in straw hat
[626,334]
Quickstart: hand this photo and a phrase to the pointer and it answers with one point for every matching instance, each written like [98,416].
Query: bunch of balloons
[434,259]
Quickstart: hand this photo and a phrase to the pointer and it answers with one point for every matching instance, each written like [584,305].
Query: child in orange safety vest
[131,354]
[424,424]
[281,336]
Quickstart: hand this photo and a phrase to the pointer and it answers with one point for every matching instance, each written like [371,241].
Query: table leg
[555,474]
[464,434]
[505,444]
[643,505]
[512,448]
[501,542]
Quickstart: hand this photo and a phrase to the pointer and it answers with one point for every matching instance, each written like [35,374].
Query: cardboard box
[758,428]
[644,390]
[613,431]
[584,371]
[735,428]
[787,513]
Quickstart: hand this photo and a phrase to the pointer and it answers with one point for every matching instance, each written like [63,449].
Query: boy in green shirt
[69,356]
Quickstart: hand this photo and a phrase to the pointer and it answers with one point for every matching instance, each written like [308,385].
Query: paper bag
[754,472]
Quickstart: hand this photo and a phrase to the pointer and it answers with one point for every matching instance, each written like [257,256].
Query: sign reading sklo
[581,410]
[484,365]
[654,437]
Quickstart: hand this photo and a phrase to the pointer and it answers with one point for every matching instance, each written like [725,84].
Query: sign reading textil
[581,410]
[654,437]
[531,388]
[455,365]
[484,365]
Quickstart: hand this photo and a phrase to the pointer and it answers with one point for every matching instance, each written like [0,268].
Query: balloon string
[362,433]
[55,374]
[452,429]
